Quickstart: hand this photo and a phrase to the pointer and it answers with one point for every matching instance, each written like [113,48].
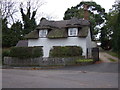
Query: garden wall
[40,61]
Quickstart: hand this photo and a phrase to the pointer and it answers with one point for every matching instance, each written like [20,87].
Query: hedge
[26,52]
[5,53]
[66,51]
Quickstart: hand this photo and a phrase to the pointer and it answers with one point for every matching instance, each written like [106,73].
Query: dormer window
[72,31]
[43,33]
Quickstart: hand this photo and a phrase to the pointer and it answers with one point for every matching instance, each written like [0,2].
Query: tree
[111,30]
[8,10]
[28,17]
[116,27]
[17,29]
[96,14]
[12,35]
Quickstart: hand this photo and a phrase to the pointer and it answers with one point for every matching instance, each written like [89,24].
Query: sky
[55,9]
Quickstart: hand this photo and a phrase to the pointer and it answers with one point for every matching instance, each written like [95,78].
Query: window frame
[43,33]
[72,32]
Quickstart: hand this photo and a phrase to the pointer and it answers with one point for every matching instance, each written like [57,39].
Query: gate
[95,54]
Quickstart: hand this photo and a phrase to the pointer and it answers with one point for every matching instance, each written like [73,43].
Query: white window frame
[72,31]
[43,33]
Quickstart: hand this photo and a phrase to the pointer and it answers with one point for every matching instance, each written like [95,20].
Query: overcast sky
[57,8]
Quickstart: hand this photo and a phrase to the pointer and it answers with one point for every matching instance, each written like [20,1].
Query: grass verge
[113,54]
[84,60]
[112,60]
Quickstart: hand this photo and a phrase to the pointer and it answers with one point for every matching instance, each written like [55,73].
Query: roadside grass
[113,54]
[112,60]
[84,60]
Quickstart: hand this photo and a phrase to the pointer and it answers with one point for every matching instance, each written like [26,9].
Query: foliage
[5,53]
[10,36]
[65,51]
[28,18]
[17,30]
[105,39]
[26,52]
[111,30]
[97,14]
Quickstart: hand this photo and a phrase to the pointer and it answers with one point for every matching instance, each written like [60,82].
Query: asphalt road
[103,75]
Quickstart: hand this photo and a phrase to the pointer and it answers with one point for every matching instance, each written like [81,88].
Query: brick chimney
[86,14]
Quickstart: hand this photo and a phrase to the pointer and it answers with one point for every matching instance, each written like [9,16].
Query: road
[103,75]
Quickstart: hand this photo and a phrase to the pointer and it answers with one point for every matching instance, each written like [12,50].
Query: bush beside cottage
[66,51]
[26,52]
[23,52]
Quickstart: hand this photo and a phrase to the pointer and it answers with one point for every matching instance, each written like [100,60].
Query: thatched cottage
[73,32]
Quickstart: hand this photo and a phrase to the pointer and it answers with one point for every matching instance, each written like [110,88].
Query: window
[72,31]
[43,33]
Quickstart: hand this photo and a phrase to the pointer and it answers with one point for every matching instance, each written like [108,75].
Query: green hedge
[26,52]
[66,51]
[5,53]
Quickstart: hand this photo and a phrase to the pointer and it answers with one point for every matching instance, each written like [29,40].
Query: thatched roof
[57,33]
[32,35]
[63,23]
[58,29]
[43,27]
[83,32]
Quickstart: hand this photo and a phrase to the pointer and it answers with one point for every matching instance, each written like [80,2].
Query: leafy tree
[8,9]
[111,30]
[28,15]
[12,35]
[5,32]
[116,27]
[97,14]
[105,38]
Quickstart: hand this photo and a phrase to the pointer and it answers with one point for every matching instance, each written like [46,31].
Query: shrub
[65,51]
[26,52]
[37,51]
[5,53]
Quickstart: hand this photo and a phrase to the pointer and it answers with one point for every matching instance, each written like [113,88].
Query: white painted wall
[88,40]
[89,43]
[49,43]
